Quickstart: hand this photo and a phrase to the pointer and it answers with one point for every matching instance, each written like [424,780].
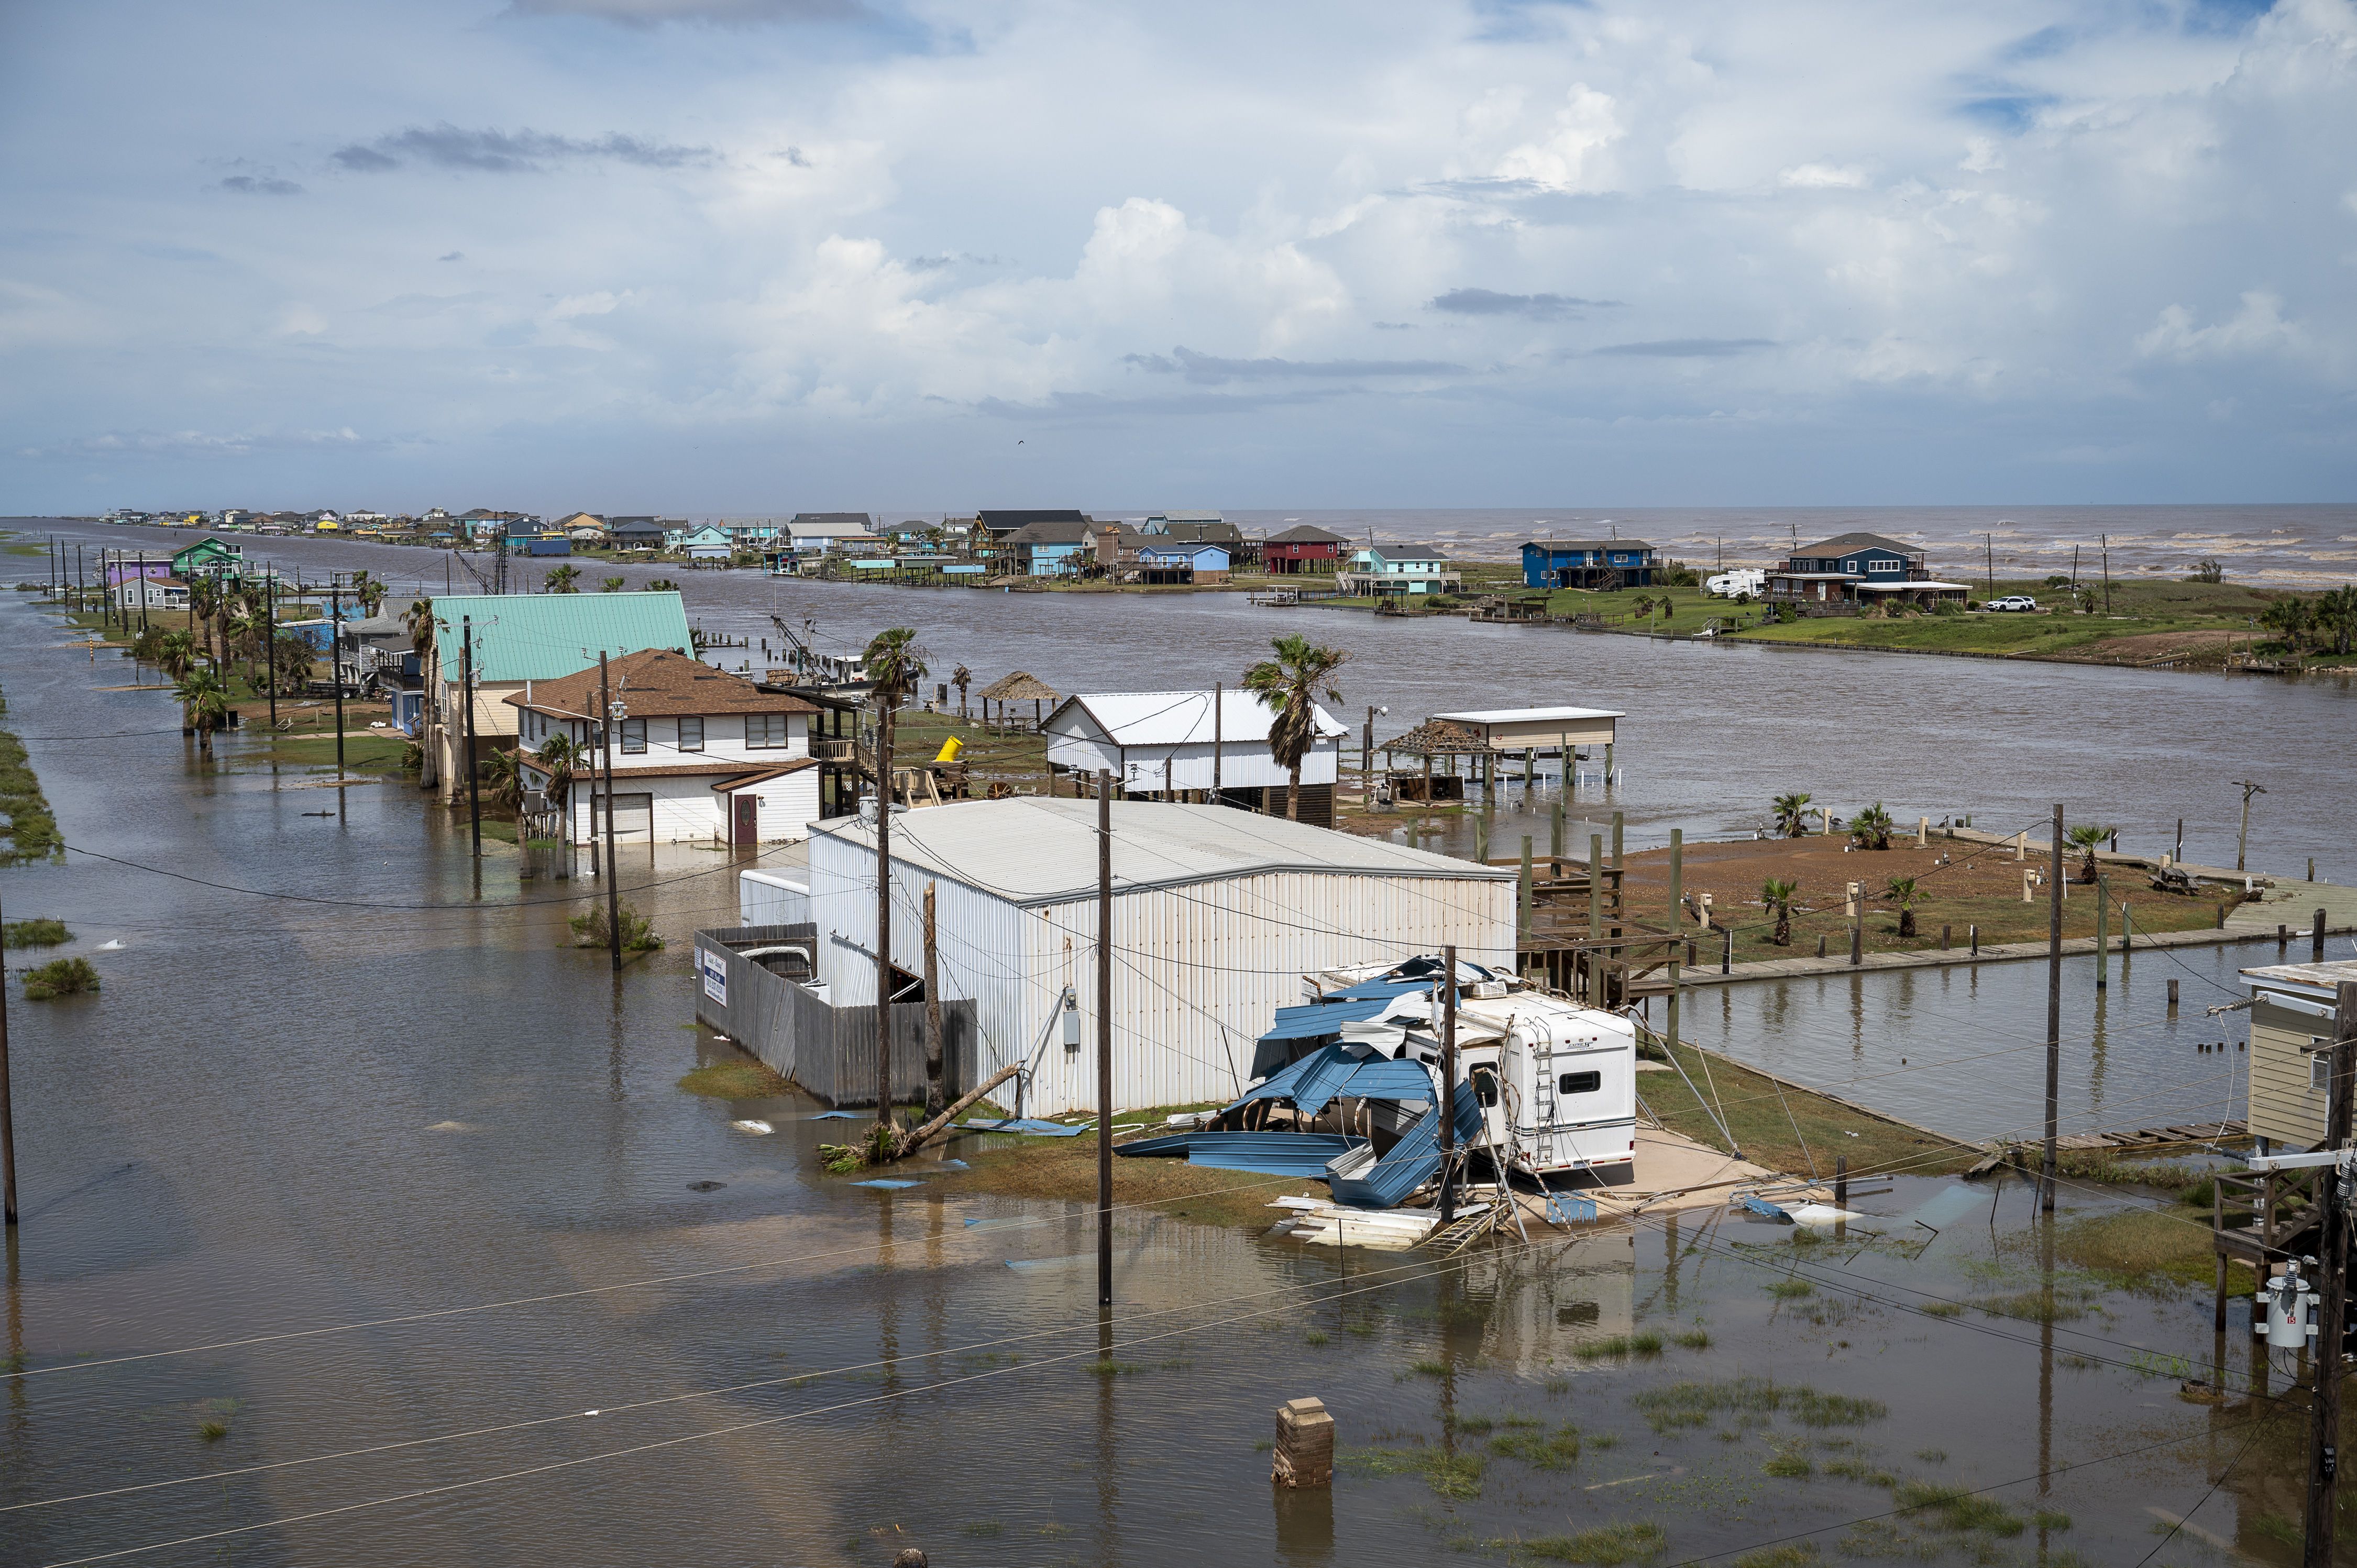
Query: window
[1485,1086]
[691,734]
[1882,564]
[1849,565]
[765,730]
[1579,1083]
[2319,1073]
[634,735]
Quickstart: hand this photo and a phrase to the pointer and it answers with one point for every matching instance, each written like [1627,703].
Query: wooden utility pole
[336,672]
[1105,1038]
[933,1085]
[2242,840]
[467,697]
[2108,572]
[269,636]
[1448,1085]
[1217,744]
[2332,1270]
[606,716]
[2053,1019]
[883,909]
[8,1117]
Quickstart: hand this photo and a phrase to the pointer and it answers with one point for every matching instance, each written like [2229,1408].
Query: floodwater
[1713,732]
[363,1222]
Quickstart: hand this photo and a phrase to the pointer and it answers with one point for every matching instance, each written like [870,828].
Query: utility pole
[2054,1018]
[1105,1038]
[2106,539]
[1367,757]
[336,670]
[1448,1086]
[883,909]
[2332,1266]
[7,1118]
[1219,690]
[2243,842]
[467,695]
[935,1094]
[1988,545]
[607,710]
[269,634]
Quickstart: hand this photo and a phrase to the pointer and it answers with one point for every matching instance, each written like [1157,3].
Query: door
[634,818]
[747,807]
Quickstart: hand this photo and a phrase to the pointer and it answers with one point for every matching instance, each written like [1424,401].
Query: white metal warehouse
[1218,916]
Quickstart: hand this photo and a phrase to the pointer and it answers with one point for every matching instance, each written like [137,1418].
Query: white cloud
[1906,223]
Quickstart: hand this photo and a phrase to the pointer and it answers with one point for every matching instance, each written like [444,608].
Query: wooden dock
[2147,1139]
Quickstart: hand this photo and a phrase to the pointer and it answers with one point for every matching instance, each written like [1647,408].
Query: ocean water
[2274,546]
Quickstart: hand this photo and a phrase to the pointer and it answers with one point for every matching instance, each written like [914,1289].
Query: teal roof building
[540,637]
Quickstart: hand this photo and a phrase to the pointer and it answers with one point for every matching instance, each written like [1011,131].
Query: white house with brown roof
[700,756]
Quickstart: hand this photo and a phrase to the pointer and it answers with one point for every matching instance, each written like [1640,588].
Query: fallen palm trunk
[880,1147]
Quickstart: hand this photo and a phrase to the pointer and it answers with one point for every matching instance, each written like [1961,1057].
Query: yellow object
[950,750]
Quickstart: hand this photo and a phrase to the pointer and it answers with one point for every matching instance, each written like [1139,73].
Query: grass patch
[1944,1309]
[1791,1554]
[1455,1476]
[1426,1367]
[2050,1519]
[1315,1337]
[746,1080]
[1644,1342]
[1111,1368]
[1557,1450]
[1789,1462]
[2036,1306]
[211,1430]
[1603,1547]
[32,830]
[2138,1248]
[1756,1114]
[1791,1290]
[592,929]
[1956,1509]
[40,932]
[1695,1338]
[60,977]
[1475,1425]
[1693,1404]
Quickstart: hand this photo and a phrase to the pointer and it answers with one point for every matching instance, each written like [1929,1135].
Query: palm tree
[2336,618]
[960,678]
[204,603]
[419,624]
[1793,815]
[2087,838]
[290,659]
[1902,893]
[1871,828]
[1777,893]
[561,581]
[206,701]
[1289,685]
[560,754]
[175,654]
[663,586]
[611,584]
[894,664]
[368,590]
[502,779]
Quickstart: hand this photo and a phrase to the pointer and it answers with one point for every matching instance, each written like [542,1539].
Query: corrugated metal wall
[1197,970]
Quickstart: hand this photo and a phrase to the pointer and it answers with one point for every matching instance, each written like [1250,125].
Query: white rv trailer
[1558,1081]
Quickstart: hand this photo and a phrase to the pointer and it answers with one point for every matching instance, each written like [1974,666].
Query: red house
[1302,549]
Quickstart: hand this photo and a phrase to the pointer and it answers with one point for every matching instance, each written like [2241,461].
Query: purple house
[121,571]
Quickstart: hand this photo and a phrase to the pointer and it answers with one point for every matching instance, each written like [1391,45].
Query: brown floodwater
[353,1196]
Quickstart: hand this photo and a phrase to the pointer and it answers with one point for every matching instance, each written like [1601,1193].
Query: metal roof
[1529,715]
[1313,1019]
[1182,718]
[539,636]
[2313,979]
[1034,850]
[1343,1073]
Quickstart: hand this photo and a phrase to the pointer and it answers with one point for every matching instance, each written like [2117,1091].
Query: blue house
[1838,575]
[1053,547]
[1599,565]
[1205,560]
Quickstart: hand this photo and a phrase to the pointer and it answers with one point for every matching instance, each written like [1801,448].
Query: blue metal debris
[1270,1154]
[1315,1018]
[1332,1072]
[1383,989]
[1413,1160]
[1765,1209]
[893,1182]
[1028,1127]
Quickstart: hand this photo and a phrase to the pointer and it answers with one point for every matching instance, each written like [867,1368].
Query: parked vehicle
[1750,580]
[2014,601]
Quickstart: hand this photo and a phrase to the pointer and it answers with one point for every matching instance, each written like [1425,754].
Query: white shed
[1516,729]
[1156,740]
[1218,915]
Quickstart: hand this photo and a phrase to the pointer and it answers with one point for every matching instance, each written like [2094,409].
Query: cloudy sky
[745,255]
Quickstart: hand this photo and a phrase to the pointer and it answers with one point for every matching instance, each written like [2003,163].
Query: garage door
[634,818]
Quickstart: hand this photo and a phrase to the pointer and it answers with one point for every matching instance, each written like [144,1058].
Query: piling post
[1523,895]
[1944,932]
[1677,879]
[1595,886]
[2053,1022]
[1821,944]
[8,1120]
[1922,833]
[1841,1181]
[1555,836]
[2173,996]
[2316,940]
[1619,871]
[2102,934]
[935,1099]
[1608,767]
[1975,933]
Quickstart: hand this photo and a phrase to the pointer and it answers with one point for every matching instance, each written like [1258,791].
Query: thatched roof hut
[1439,737]
[1020,687]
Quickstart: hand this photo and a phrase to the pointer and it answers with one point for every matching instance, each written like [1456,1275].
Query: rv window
[1485,1085]
[2319,1074]
[1579,1083]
